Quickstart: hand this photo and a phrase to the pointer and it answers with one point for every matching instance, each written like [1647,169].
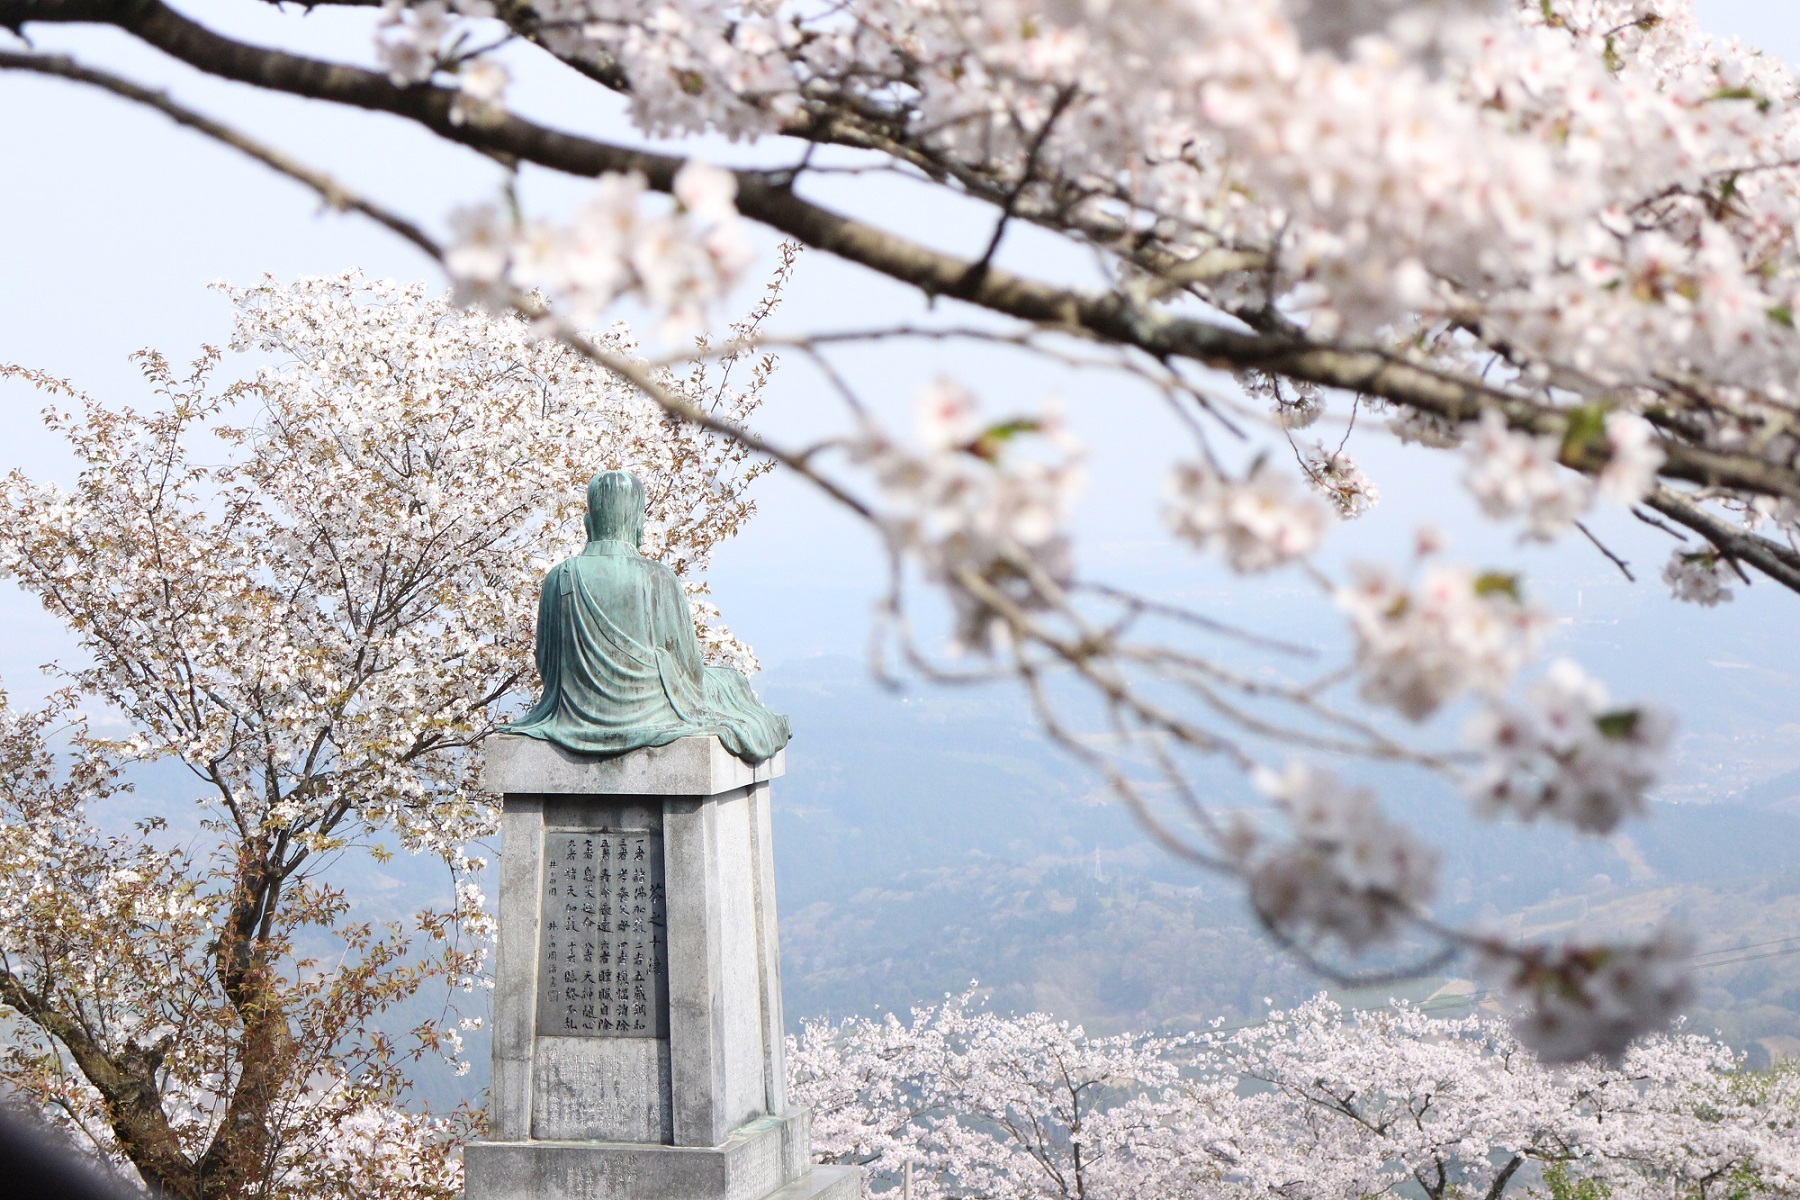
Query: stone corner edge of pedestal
[690,766]
[823,1183]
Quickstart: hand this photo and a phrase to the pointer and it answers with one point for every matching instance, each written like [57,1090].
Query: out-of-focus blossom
[1349,873]
[1598,999]
[1698,577]
[1258,523]
[1457,632]
[1567,753]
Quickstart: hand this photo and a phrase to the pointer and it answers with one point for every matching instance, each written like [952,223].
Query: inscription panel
[604,962]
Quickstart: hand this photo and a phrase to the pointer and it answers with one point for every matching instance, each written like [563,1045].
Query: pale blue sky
[117,221]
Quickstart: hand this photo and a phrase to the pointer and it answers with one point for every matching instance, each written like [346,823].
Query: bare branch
[333,193]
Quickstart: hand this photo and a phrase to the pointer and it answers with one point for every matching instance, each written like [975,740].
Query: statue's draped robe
[621,665]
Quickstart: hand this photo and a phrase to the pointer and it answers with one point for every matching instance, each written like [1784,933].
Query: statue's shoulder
[561,577]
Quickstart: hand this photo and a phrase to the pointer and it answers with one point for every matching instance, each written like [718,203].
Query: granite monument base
[638,1048]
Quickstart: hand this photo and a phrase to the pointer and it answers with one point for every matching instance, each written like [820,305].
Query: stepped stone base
[824,1183]
[764,1160]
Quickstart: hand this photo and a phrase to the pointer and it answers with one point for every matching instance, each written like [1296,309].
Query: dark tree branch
[767,197]
[1498,1188]
[1773,559]
[328,189]
[126,1082]
[1624,567]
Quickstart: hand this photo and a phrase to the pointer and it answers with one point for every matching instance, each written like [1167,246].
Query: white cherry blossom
[1569,754]
[1596,1000]
[1350,873]
[1336,476]
[1309,1101]
[986,519]
[1698,577]
[1258,523]
[1515,474]
[1457,632]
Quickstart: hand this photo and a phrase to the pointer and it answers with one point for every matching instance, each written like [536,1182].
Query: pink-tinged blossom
[1349,873]
[481,84]
[678,264]
[411,37]
[985,518]
[1698,577]
[1633,458]
[1294,405]
[709,192]
[1343,1103]
[1458,632]
[987,1104]
[1258,523]
[1514,474]
[1567,753]
[1582,1001]
[1335,475]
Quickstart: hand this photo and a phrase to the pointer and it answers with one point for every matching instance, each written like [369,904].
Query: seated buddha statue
[617,651]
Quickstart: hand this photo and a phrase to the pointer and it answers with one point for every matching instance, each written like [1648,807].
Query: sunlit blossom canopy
[618,654]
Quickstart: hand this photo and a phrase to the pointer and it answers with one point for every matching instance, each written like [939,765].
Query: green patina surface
[617,652]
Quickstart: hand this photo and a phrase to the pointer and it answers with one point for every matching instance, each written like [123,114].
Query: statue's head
[615,508]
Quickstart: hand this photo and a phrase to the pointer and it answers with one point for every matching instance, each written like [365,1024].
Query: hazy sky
[116,221]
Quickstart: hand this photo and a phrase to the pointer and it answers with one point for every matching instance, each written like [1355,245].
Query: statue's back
[617,652]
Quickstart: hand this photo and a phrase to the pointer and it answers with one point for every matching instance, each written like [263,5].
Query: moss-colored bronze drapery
[616,649]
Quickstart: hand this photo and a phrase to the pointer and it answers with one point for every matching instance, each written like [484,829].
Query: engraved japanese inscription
[604,965]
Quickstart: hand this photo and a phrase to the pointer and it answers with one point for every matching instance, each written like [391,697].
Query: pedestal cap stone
[691,766]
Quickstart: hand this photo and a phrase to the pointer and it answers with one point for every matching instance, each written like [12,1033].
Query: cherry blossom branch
[768,198]
[328,189]
[1778,562]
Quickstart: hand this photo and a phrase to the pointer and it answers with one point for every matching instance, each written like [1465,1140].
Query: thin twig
[1624,567]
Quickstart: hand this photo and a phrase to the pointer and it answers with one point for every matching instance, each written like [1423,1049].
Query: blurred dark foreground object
[35,1161]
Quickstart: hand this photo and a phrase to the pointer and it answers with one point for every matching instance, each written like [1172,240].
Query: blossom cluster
[1698,577]
[1586,1000]
[415,41]
[677,264]
[1457,632]
[1560,193]
[1349,873]
[1568,754]
[1309,1101]
[1337,477]
[985,520]
[1257,523]
[990,1105]
[1513,474]
[1589,179]
[364,1145]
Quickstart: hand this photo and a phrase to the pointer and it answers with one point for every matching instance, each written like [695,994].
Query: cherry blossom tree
[984,1105]
[314,590]
[1312,1102]
[1551,238]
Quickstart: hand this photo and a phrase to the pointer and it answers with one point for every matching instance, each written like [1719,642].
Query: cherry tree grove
[1312,1102]
[1550,238]
[314,589]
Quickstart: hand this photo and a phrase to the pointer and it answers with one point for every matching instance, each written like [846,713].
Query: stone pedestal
[637,1029]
